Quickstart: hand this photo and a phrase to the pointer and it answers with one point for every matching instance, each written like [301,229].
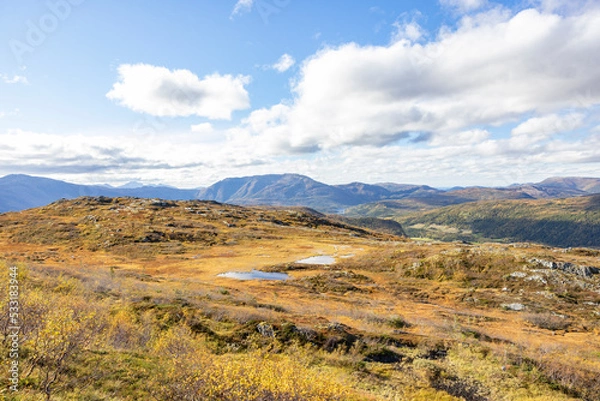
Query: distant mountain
[400,191]
[132,184]
[364,192]
[563,187]
[19,191]
[409,199]
[282,190]
[473,194]
[298,190]
[422,200]
[558,222]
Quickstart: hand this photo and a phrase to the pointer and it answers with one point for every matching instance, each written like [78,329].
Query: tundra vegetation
[120,299]
[566,222]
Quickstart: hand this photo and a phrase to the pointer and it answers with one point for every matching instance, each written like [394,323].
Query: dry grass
[398,320]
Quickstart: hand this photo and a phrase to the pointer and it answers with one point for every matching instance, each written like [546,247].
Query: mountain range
[18,192]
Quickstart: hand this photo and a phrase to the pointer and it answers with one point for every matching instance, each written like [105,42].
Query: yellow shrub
[191,372]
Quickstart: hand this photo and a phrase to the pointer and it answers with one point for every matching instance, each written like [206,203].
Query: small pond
[317,260]
[255,275]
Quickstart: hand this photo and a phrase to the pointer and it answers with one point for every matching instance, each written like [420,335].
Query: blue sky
[445,92]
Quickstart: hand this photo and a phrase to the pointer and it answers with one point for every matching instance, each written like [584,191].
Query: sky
[189,92]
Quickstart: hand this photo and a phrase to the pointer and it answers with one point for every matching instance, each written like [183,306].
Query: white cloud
[16,79]
[357,111]
[204,128]
[162,92]
[464,5]
[468,137]
[547,126]
[284,63]
[189,161]
[495,68]
[241,7]
[410,31]
[539,129]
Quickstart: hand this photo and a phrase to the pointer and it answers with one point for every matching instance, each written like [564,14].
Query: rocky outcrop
[265,329]
[582,271]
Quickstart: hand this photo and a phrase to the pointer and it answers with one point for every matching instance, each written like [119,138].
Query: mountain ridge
[19,191]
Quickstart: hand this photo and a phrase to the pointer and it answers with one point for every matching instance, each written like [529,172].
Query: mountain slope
[283,190]
[121,225]
[563,187]
[18,192]
[559,222]
[419,201]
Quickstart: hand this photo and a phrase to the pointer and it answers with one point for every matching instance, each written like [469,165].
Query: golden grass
[456,339]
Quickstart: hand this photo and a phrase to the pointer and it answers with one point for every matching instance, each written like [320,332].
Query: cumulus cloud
[410,31]
[487,102]
[473,136]
[15,79]
[241,7]
[162,92]
[540,128]
[493,69]
[204,128]
[284,63]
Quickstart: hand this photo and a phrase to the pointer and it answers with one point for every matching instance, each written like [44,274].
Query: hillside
[393,208]
[557,222]
[372,223]
[433,200]
[125,299]
[121,225]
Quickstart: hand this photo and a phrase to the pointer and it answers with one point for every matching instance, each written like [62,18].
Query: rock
[537,278]
[265,329]
[337,327]
[308,334]
[587,271]
[567,267]
[543,263]
[514,306]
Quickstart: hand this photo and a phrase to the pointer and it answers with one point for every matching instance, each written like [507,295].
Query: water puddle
[317,260]
[255,275]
